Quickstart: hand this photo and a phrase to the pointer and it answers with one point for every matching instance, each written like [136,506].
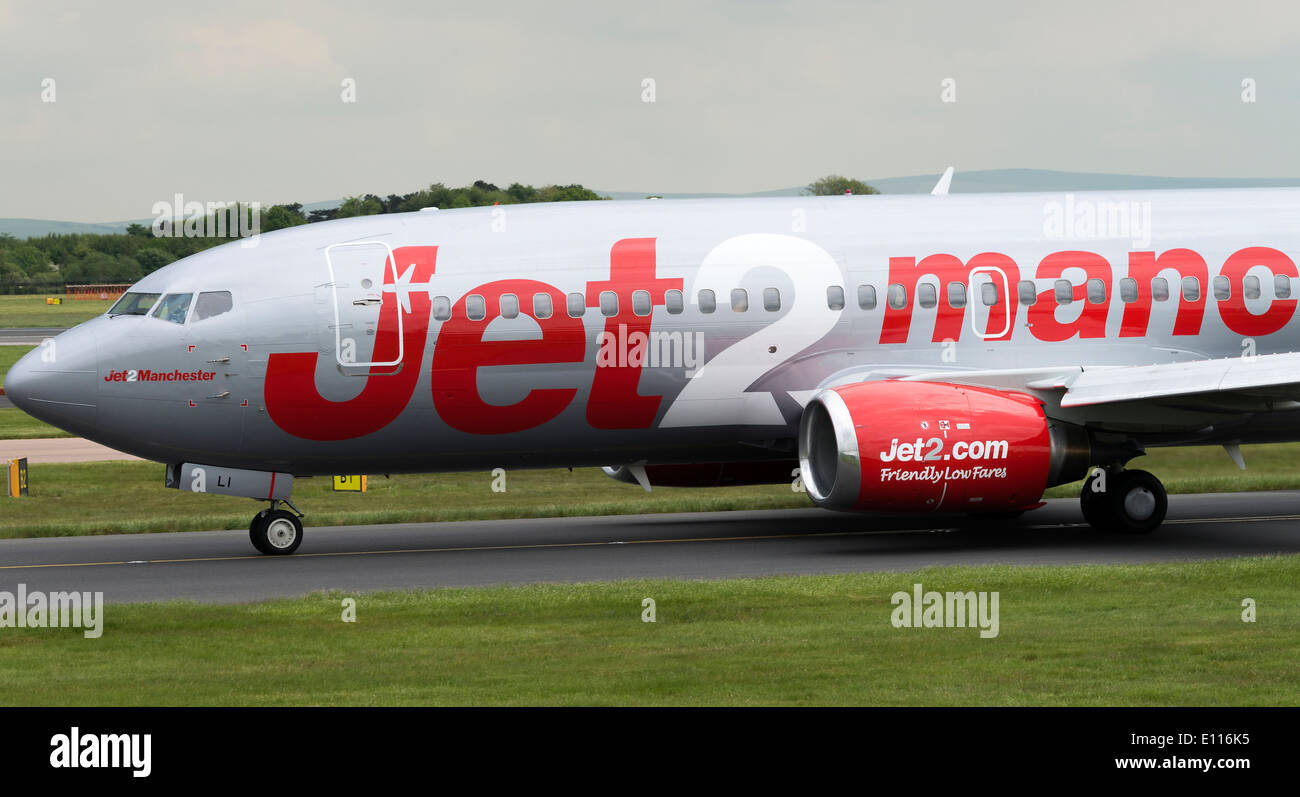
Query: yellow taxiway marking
[543,545]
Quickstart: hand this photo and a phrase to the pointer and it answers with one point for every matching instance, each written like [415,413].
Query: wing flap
[1225,384]
[1262,376]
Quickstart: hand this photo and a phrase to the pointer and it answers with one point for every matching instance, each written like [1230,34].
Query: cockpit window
[212,303]
[134,304]
[173,307]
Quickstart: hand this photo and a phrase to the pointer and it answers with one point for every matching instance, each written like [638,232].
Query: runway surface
[220,566]
[28,336]
[59,449]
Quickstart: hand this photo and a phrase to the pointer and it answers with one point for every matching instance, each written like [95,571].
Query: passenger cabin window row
[1063,292]
[608,302]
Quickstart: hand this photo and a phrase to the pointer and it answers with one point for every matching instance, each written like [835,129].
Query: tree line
[45,264]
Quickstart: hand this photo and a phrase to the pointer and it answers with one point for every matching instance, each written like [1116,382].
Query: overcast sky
[242,100]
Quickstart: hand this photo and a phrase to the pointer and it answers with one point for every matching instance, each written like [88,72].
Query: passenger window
[708,302]
[1160,289]
[1128,290]
[174,306]
[509,305]
[134,304]
[739,300]
[989,294]
[475,307]
[673,301]
[1222,289]
[1028,291]
[212,303]
[835,297]
[1064,291]
[1191,289]
[771,300]
[1282,286]
[577,305]
[542,307]
[867,296]
[441,308]
[897,296]
[1252,287]
[926,295]
[956,295]
[641,302]
[608,303]
[1096,291]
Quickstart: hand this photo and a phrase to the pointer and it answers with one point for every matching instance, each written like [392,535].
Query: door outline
[1006,302]
[334,295]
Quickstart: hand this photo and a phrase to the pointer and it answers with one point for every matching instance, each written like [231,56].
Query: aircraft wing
[1260,383]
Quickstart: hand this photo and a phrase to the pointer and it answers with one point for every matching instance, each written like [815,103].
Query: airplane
[942,354]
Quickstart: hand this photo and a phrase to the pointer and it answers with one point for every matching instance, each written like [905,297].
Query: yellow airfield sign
[349,484]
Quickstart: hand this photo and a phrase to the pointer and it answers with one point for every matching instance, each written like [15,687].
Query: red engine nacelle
[934,447]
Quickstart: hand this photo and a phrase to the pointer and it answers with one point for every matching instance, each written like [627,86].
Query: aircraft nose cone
[55,382]
[18,382]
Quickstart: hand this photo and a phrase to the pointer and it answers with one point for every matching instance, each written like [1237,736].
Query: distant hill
[985,181]
[35,228]
[1001,180]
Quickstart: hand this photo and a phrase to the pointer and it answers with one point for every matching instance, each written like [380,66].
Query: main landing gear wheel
[1134,502]
[276,532]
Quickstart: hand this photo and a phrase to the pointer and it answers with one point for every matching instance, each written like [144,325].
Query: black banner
[1058,747]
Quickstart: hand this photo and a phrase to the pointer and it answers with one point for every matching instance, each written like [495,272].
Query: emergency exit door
[357,273]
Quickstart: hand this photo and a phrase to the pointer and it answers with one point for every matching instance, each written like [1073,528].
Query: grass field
[14,423]
[18,425]
[1169,634]
[119,497]
[32,311]
[8,356]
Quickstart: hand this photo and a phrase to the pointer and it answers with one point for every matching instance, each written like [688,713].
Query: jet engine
[934,447]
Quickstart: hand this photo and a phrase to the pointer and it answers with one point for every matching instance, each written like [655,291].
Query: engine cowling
[934,447]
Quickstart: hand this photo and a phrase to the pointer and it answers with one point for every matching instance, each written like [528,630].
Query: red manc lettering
[1091,322]
[1235,314]
[906,271]
[1143,267]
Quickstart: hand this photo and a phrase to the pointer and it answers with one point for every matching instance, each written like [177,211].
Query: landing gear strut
[275,531]
[1124,501]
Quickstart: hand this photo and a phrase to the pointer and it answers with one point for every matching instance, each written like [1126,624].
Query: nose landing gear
[1123,501]
[275,531]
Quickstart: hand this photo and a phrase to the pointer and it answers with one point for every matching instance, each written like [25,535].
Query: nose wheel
[1124,501]
[276,532]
